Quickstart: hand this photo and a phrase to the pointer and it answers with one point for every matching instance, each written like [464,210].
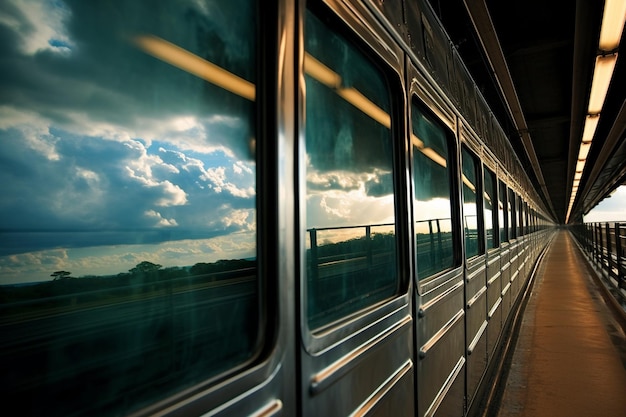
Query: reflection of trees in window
[145,267]
[60,275]
[89,289]
[165,319]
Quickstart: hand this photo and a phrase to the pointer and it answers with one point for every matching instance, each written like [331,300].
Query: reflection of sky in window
[337,198]
[110,157]
[348,151]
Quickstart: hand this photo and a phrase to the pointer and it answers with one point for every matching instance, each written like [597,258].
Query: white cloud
[44,28]
[610,209]
[34,129]
[240,167]
[160,221]
[334,208]
[243,218]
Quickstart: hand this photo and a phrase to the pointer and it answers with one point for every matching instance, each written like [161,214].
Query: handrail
[605,244]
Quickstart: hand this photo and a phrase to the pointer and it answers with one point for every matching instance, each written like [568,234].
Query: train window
[503,217]
[489,203]
[432,205]
[128,219]
[520,215]
[523,220]
[350,214]
[512,211]
[473,224]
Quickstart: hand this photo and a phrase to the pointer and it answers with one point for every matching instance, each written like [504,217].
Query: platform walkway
[570,356]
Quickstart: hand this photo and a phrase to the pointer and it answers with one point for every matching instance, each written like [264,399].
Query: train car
[252,208]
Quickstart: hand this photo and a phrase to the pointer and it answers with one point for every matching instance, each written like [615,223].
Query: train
[277,208]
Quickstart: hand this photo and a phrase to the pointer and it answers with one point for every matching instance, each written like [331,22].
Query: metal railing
[605,244]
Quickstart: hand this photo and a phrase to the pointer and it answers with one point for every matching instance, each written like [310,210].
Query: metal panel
[494,298]
[441,342]
[515,278]
[505,267]
[476,321]
[431,44]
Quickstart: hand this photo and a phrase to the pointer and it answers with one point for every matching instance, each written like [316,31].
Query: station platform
[570,354]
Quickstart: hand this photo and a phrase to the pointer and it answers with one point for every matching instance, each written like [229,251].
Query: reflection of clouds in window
[29,129]
[104,182]
[88,95]
[339,197]
[436,208]
[33,266]
[332,180]
[469,209]
[159,220]
[244,219]
[39,25]
[109,139]
[336,208]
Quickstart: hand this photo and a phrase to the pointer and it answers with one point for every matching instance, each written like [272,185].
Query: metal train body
[393,229]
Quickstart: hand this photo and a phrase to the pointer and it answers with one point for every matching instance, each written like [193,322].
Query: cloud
[41,25]
[105,134]
[109,155]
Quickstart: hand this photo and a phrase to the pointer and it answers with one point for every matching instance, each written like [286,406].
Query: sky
[610,209]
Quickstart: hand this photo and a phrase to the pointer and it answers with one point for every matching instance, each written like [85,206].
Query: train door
[440,323]
[355,322]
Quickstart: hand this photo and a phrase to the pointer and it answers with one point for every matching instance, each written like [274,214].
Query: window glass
[432,205]
[512,206]
[128,218]
[489,202]
[350,220]
[471,193]
[520,213]
[503,216]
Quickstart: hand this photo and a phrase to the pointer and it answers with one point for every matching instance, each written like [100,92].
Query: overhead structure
[557,86]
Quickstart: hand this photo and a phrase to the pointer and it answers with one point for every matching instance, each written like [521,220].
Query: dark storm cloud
[379,186]
[98,71]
